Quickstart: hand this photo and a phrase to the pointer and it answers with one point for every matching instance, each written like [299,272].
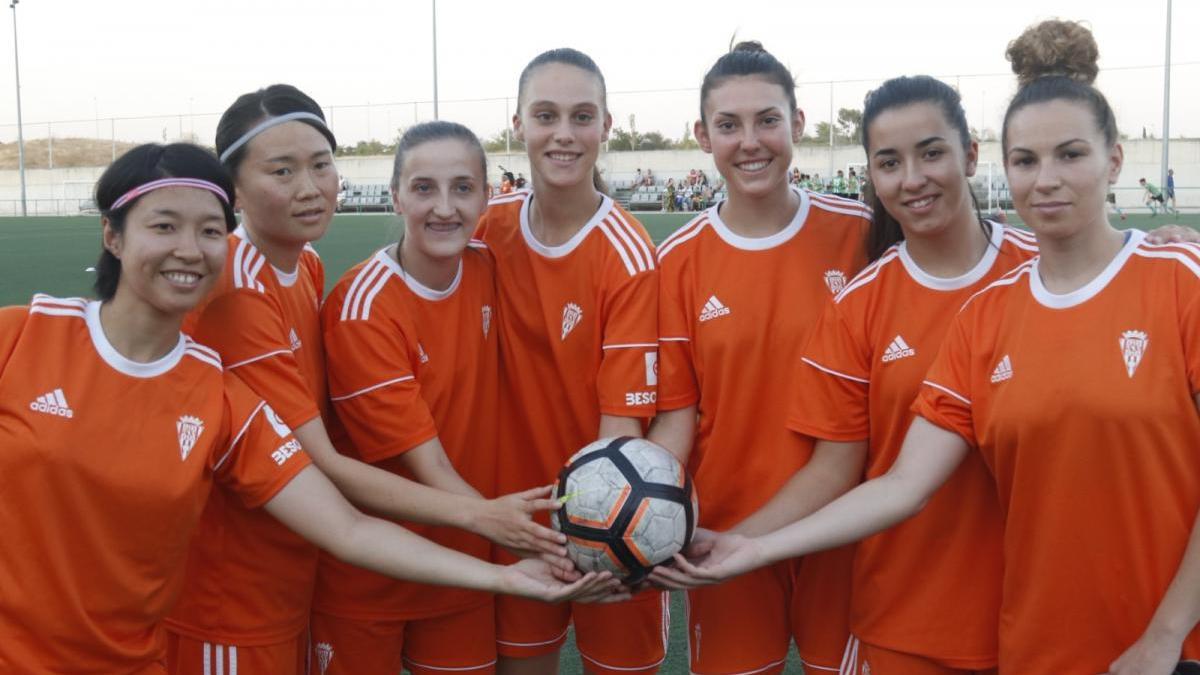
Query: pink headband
[169,182]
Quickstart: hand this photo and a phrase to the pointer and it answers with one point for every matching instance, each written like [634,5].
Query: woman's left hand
[1173,234]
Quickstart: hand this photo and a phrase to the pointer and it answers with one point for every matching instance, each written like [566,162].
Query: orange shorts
[187,656]
[743,625]
[821,608]
[625,638]
[864,659]
[464,641]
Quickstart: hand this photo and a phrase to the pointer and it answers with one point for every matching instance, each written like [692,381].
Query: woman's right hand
[711,558]
[538,580]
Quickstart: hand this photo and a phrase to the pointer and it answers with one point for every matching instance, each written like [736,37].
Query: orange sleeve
[12,321]
[945,397]
[373,386]
[1189,330]
[677,383]
[831,398]
[627,382]
[260,455]
[247,328]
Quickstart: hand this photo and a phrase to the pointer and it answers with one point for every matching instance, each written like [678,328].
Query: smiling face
[562,121]
[287,184]
[749,127]
[920,168]
[172,248]
[441,194]
[1060,167]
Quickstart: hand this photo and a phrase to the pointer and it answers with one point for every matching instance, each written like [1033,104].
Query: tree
[849,125]
[498,142]
[619,140]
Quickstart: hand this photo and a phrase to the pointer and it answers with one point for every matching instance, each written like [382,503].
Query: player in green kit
[1152,196]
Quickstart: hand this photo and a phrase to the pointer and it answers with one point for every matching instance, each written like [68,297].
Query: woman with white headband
[114,426]
[250,580]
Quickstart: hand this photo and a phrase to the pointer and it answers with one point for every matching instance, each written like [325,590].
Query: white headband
[267,124]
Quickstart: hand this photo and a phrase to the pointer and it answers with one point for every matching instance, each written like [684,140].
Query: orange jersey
[578,327]
[734,314]
[931,585]
[105,469]
[408,364]
[1082,407]
[249,577]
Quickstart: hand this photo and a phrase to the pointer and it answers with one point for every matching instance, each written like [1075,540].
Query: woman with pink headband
[97,504]
[250,580]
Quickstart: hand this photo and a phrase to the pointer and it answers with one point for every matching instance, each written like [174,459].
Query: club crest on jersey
[1133,348]
[189,429]
[487,320]
[572,313]
[421,353]
[324,656]
[835,280]
[294,340]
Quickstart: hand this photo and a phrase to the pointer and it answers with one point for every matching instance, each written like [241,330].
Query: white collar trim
[415,286]
[969,278]
[760,243]
[606,206]
[1091,288]
[119,362]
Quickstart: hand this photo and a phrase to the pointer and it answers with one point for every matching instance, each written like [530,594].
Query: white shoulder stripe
[477,243]
[1009,279]
[1021,242]
[636,234]
[846,211]
[678,238]
[689,226]
[363,284]
[641,259]
[41,299]
[868,275]
[1185,248]
[370,298]
[1024,234]
[951,392]
[260,357]
[1186,260]
[833,372]
[247,262]
[238,437]
[373,387]
[51,310]
[612,238]
[201,356]
[203,349]
[505,199]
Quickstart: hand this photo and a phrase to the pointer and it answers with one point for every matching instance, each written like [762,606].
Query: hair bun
[1054,47]
[748,46]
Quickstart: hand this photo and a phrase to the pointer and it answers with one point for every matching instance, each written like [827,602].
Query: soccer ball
[627,505]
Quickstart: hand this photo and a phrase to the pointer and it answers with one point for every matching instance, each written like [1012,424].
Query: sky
[182,62]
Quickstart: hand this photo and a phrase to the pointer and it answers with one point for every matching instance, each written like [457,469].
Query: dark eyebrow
[930,141]
[922,144]
[172,213]
[1073,140]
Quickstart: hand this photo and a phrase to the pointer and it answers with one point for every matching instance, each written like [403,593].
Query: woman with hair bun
[1080,396]
[742,285]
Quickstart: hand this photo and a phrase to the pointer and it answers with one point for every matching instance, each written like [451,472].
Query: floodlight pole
[20,133]
[435,91]
[1166,135]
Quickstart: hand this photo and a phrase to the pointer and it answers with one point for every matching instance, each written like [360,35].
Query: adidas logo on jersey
[713,309]
[1133,348]
[572,313]
[295,340]
[189,429]
[1003,370]
[53,403]
[835,280]
[324,656]
[898,349]
[487,320]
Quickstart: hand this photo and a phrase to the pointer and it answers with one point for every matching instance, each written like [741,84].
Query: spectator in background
[1171,190]
[506,183]
[837,185]
[520,182]
[669,196]
[852,185]
[649,178]
[703,178]
[816,184]
[639,180]
[1152,196]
